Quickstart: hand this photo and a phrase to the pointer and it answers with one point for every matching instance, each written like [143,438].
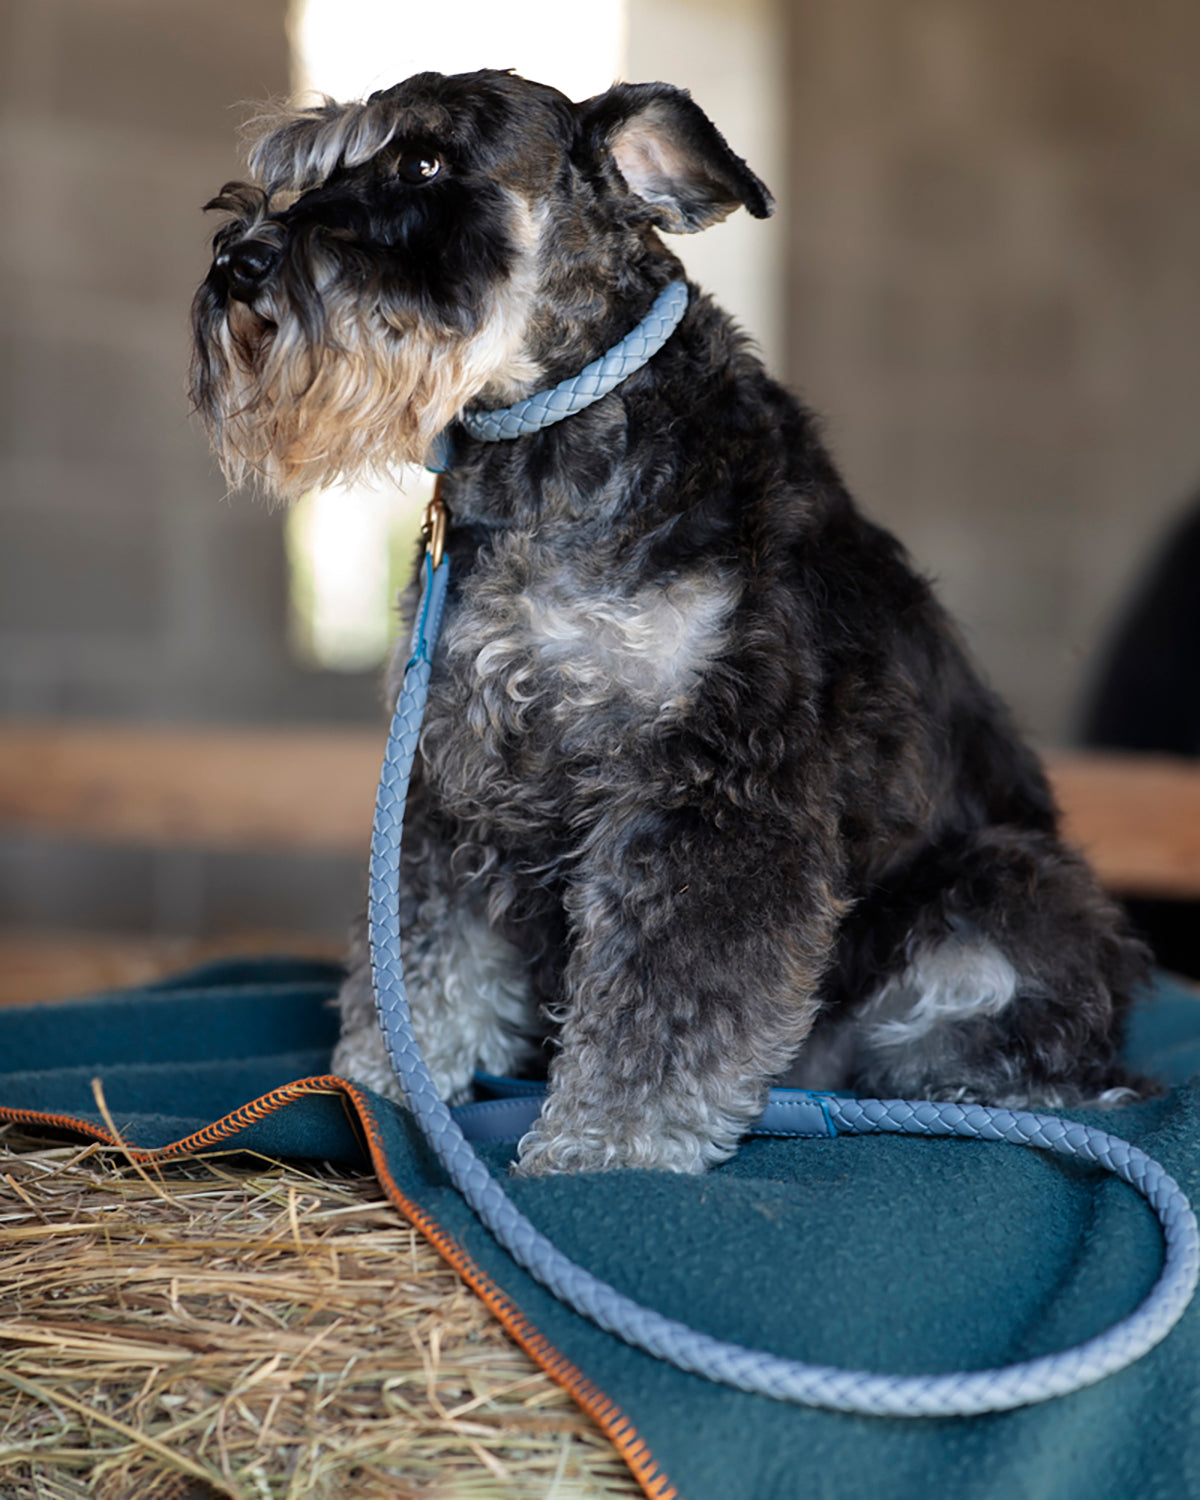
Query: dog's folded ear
[667,152]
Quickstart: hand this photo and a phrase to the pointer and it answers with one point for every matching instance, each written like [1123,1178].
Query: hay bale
[246,1329]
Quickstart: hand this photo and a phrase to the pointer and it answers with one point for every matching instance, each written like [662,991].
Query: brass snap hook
[433,525]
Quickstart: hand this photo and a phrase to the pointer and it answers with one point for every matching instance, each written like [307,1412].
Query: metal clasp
[433,525]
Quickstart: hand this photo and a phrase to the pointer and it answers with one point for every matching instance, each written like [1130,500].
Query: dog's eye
[416,167]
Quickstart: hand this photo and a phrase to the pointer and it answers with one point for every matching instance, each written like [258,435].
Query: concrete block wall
[993,243]
[994,298]
[130,586]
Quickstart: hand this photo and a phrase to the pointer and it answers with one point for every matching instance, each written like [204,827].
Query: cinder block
[43,882]
[992,295]
[250,572]
[168,68]
[305,893]
[67,569]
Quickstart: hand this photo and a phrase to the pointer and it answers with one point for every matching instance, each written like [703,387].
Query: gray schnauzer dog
[708,793]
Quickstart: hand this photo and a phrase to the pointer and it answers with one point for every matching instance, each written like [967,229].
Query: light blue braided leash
[570,396]
[957,1394]
[592,382]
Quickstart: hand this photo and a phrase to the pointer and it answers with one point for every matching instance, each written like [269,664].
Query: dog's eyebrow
[300,148]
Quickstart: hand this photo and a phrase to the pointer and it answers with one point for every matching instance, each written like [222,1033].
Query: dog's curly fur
[709,793]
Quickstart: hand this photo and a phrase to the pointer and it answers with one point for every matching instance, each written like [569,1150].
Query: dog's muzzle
[245,265]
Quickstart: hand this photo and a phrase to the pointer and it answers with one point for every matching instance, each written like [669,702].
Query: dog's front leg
[696,958]
[468,988]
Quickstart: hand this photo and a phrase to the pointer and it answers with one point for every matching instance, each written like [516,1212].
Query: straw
[245,1329]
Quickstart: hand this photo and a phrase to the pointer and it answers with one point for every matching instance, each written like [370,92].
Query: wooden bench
[312,790]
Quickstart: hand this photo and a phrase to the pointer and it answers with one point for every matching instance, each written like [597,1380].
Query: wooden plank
[282,789]
[1137,817]
[44,966]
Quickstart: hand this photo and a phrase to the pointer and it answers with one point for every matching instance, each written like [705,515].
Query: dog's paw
[542,1155]
[544,1152]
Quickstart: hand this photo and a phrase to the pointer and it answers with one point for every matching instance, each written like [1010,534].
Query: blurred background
[983,273]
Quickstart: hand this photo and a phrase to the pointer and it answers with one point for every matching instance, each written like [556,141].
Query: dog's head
[452,240]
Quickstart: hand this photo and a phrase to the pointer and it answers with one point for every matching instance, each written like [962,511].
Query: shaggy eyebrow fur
[301,148]
[298,148]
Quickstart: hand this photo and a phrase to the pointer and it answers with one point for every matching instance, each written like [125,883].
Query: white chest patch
[652,645]
[571,644]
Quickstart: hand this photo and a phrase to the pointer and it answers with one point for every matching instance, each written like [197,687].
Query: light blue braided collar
[569,396]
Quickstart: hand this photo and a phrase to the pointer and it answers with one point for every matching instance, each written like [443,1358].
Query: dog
[709,795]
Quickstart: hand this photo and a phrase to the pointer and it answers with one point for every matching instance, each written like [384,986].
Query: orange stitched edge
[612,1421]
[211,1135]
[608,1416]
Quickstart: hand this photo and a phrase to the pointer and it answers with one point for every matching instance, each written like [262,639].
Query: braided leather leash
[957,1394]
[547,407]
[592,382]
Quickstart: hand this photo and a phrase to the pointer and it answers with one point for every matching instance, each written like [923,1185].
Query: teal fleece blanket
[886,1253]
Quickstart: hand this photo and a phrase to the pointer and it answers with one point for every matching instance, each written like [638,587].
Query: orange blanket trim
[609,1417]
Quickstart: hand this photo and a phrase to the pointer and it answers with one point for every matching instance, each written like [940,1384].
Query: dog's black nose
[246,265]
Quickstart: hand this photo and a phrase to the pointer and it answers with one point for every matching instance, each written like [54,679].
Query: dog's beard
[300,393]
